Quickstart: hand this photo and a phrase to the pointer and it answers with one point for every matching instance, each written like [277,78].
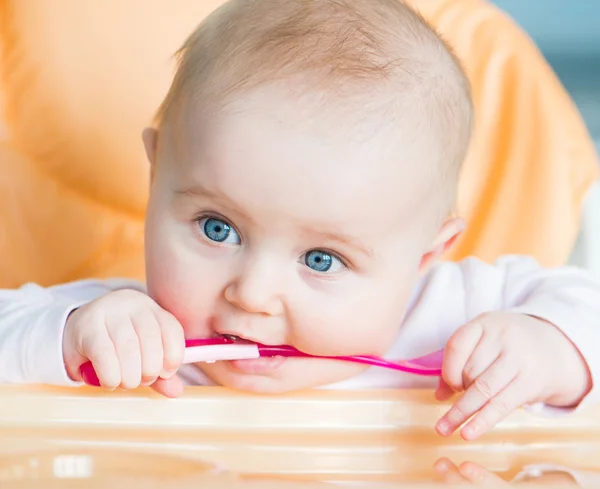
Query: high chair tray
[371,437]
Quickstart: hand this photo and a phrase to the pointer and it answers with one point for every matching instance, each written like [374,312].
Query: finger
[512,397]
[151,346]
[127,346]
[444,391]
[482,357]
[172,387]
[173,341]
[479,475]
[457,352]
[449,472]
[483,390]
[99,349]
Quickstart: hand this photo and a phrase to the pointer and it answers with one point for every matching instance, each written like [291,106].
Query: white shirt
[32,318]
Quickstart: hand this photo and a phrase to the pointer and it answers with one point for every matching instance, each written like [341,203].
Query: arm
[528,337]
[566,297]
[32,320]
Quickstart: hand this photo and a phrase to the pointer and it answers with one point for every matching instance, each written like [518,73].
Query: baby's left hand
[503,361]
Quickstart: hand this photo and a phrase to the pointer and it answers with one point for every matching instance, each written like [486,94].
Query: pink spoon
[218,349]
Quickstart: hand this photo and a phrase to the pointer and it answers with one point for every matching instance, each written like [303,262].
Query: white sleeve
[567,297]
[32,320]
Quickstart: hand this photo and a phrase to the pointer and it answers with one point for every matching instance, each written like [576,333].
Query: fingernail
[468,470]
[470,431]
[442,467]
[443,427]
[167,374]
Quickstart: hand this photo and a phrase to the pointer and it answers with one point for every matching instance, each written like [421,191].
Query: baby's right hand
[130,340]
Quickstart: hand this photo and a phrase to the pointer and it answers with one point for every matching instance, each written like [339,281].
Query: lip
[257,366]
[251,366]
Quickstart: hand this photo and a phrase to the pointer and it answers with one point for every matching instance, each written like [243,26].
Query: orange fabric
[80,79]
[532,160]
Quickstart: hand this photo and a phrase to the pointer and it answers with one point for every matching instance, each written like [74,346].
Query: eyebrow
[342,238]
[199,190]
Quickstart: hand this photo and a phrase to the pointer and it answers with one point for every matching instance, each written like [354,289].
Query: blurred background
[568,34]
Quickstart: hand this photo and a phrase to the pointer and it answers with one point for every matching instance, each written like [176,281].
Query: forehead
[299,158]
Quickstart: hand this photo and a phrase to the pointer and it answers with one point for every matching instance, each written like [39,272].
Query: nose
[256,287]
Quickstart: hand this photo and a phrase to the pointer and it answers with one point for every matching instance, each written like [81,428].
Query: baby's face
[266,224]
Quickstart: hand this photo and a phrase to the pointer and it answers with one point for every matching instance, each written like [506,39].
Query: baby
[304,172]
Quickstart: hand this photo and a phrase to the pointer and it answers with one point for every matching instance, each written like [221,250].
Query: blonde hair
[349,48]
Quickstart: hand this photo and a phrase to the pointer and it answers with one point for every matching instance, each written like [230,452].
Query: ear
[445,239]
[150,138]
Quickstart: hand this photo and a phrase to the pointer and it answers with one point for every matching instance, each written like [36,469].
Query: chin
[256,384]
[291,377]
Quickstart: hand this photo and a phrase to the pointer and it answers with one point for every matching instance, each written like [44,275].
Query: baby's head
[304,171]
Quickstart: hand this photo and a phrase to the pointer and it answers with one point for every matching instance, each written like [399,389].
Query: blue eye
[321,261]
[219,231]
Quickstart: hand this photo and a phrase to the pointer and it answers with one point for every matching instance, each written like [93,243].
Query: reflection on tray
[105,468]
[217,438]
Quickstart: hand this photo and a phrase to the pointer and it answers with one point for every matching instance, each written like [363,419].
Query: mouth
[254,366]
[231,337]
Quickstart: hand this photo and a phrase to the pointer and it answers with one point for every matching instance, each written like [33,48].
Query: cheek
[361,319]
[177,279]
